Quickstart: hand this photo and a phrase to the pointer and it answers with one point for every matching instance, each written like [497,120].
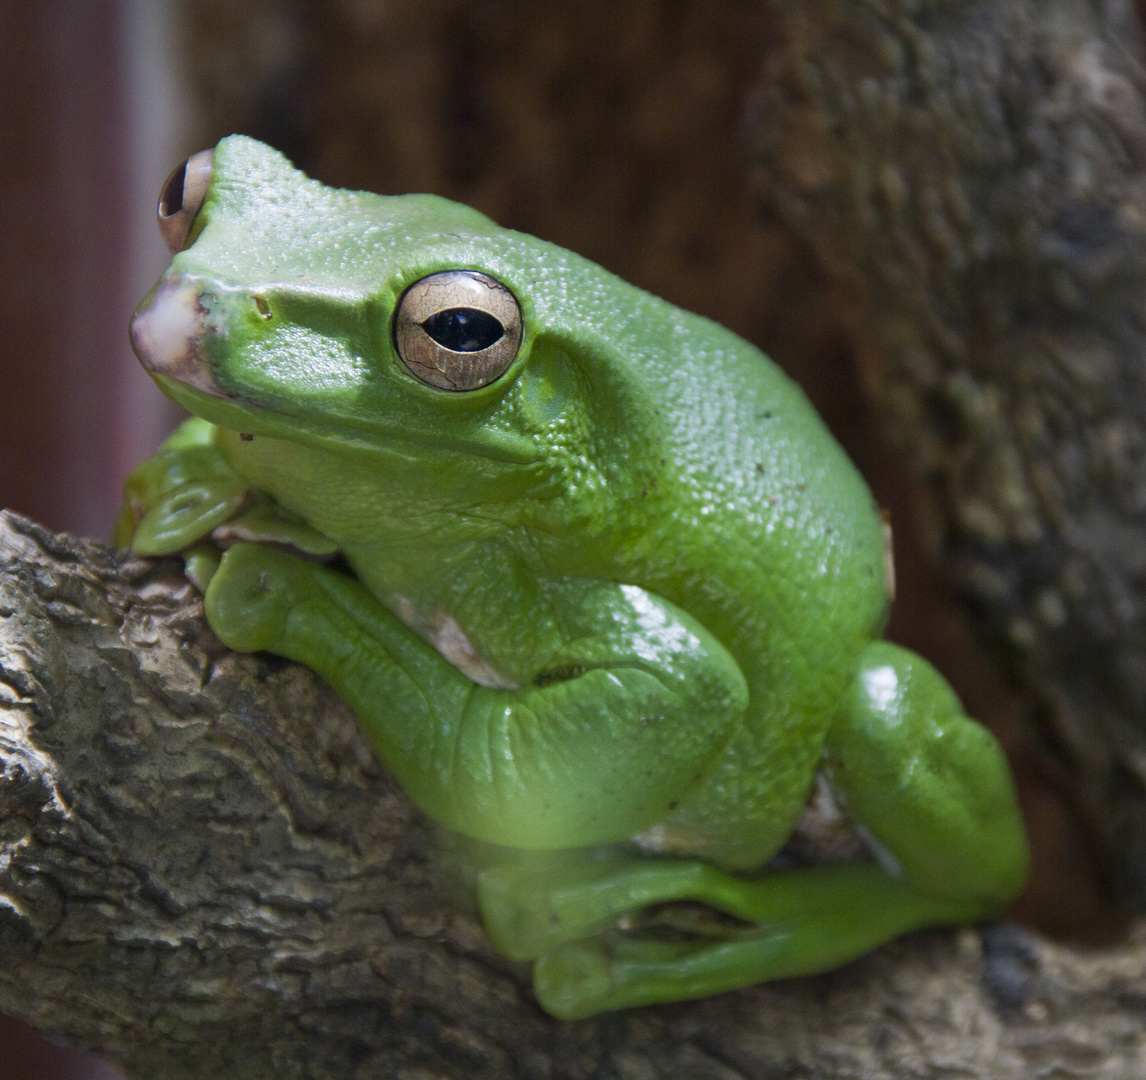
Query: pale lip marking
[167,333]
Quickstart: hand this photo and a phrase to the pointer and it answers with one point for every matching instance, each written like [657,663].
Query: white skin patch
[443,632]
[829,835]
[824,832]
[881,684]
[166,335]
[664,840]
[888,556]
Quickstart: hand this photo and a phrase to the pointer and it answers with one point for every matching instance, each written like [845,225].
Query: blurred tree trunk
[974,178]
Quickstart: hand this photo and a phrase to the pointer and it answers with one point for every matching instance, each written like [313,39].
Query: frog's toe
[575,980]
[252,593]
[200,564]
[531,908]
[186,514]
[518,919]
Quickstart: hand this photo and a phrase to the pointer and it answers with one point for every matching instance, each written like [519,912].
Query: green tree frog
[606,591]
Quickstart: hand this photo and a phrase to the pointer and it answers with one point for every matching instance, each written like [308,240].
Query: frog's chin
[213,405]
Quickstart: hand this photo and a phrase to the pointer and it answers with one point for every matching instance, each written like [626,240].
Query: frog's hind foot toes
[612,971]
[253,592]
[522,913]
[575,981]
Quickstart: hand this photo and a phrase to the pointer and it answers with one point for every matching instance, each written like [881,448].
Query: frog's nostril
[263,307]
[181,198]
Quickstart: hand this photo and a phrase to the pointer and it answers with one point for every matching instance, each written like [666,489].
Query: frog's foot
[179,516]
[253,593]
[173,501]
[179,494]
[808,921]
[530,908]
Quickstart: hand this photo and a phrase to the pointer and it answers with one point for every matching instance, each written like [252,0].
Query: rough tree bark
[974,175]
[203,872]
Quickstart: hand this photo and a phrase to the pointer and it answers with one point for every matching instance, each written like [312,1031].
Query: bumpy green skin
[631,588]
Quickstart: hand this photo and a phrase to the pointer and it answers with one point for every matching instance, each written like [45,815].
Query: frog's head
[406,328]
[335,313]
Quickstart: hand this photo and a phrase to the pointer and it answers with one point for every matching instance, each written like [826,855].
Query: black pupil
[463,329]
[171,201]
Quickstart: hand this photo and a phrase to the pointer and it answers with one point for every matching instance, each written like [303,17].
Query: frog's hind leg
[928,784]
[804,921]
[537,902]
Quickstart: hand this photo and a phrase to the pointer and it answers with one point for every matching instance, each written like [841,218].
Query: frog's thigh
[929,784]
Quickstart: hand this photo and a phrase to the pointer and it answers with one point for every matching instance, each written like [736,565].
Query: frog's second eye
[458,330]
[181,198]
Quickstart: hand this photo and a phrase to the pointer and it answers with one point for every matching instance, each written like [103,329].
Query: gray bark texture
[204,873]
[974,177]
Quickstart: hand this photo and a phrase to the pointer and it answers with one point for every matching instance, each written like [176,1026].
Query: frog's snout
[168,332]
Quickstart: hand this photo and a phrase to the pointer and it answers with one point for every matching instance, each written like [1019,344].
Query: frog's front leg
[188,499]
[601,742]
[929,785]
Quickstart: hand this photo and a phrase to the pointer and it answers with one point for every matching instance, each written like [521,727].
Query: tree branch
[203,872]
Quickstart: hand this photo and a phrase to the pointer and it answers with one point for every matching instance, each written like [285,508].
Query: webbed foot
[597,948]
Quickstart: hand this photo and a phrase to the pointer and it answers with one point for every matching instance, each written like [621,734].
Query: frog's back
[730,495]
[743,509]
[802,565]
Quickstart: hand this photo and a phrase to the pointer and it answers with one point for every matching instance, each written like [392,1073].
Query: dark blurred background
[611,128]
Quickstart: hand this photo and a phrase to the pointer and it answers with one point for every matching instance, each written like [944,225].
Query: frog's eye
[181,198]
[457,330]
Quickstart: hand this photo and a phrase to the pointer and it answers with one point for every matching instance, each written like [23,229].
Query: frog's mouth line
[167,335]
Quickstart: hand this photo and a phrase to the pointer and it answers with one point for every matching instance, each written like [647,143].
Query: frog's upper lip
[167,332]
[235,414]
